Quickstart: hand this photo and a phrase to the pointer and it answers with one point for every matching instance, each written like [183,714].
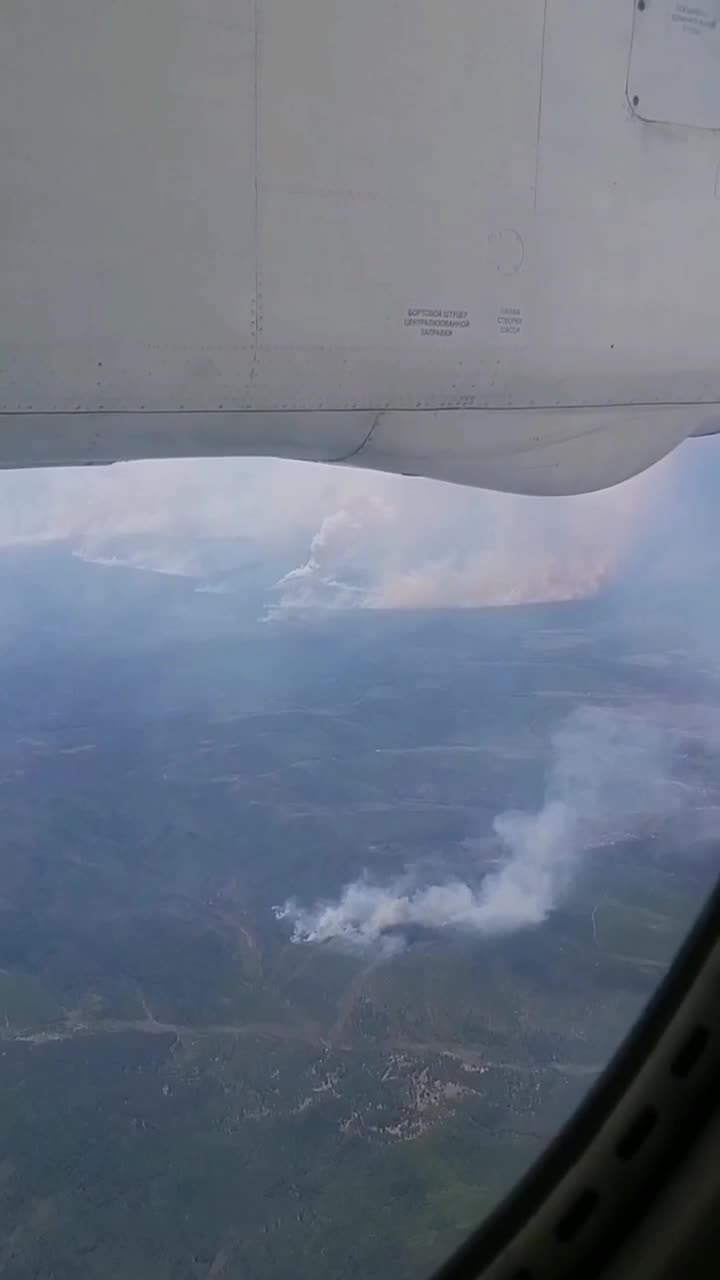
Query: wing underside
[434,239]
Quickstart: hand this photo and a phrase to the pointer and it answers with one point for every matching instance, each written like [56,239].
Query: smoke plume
[336,538]
[425,547]
[331,576]
[609,772]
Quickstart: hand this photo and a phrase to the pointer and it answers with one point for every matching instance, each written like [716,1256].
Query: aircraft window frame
[573,1208]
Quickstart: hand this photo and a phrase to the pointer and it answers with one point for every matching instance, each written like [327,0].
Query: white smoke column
[358,538]
[389,543]
[607,768]
[334,547]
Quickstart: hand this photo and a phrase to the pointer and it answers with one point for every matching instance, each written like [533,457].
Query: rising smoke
[326,577]
[434,546]
[334,538]
[609,771]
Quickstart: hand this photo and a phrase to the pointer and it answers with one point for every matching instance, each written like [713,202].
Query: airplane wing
[466,241]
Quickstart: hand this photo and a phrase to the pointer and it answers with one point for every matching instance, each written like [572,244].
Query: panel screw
[635,100]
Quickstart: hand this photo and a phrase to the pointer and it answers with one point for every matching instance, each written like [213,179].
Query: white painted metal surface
[430,238]
[674,75]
